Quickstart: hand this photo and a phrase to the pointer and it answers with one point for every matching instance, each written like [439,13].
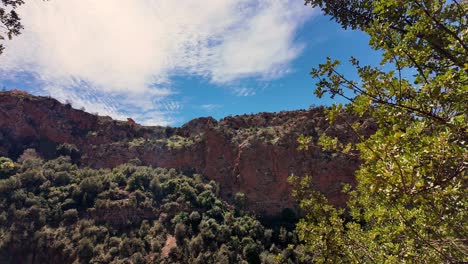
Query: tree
[70,150]
[6,167]
[180,233]
[85,249]
[240,201]
[9,20]
[409,203]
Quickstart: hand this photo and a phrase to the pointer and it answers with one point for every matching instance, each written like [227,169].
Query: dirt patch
[170,243]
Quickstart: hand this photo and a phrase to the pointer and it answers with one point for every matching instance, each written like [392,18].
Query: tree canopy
[9,20]
[409,203]
[55,212]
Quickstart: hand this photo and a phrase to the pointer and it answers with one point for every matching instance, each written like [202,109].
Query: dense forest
[54,212]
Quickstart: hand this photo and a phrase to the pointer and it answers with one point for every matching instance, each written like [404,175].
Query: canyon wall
[253,154]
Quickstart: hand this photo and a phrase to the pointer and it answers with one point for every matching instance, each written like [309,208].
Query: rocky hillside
[252,154]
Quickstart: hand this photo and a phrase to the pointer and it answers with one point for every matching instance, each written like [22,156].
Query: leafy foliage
[6,167]
[409,204]
[9,20]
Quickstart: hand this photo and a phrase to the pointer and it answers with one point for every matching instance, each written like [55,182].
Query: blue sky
[166,63]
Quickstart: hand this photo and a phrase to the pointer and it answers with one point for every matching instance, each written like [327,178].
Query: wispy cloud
[171,106]
[244,91]
[210,107]
[118,59]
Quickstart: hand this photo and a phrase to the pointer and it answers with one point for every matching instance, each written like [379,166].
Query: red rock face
[253,154]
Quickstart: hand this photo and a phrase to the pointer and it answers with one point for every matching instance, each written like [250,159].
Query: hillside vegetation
[54,212]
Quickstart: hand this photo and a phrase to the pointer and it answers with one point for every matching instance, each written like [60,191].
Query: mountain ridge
[252,154]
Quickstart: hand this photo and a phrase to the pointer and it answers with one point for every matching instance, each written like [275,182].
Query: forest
[54,212]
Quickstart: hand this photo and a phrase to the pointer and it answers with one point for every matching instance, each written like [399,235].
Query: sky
[165,62]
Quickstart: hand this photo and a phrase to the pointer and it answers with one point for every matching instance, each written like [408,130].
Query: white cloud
[118,58]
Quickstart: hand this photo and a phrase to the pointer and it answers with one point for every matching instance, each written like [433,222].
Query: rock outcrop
[253,154]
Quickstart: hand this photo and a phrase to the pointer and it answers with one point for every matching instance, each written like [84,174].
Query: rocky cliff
[253,154]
